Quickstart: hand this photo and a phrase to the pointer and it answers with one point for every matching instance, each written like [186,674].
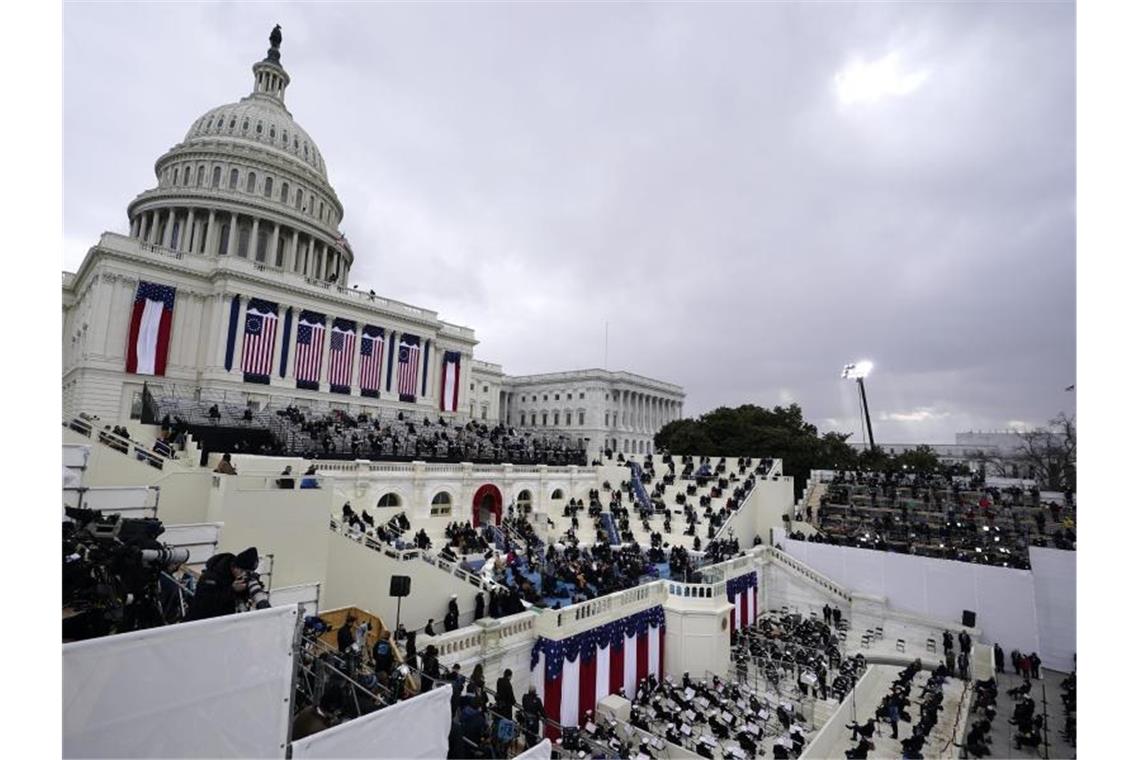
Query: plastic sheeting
[210,688]
[540,751]
[413,729]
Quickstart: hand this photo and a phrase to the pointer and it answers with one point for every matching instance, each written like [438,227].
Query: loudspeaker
[401,585]
[969,618]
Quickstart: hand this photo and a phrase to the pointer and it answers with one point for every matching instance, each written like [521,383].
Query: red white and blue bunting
[575,673]
[742,592]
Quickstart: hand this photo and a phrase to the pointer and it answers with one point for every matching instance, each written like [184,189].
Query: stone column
[192,238]
[291,259]
[210,245]
[143,228]
[168,233]
[253,239]
[231,237]
[271,253]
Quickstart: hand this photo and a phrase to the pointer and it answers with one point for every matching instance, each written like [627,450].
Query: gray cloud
[684,172]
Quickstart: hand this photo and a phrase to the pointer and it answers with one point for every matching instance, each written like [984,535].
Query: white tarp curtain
[306,594]
[1055,589]
[210,688]
[601,674]
[538,675]
[200,538]
[75,455]
[1002,597]
[111,498]
[655,651]
[540,751]
[571,675]
[414,729]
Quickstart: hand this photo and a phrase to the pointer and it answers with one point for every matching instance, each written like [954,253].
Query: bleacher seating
[935,516]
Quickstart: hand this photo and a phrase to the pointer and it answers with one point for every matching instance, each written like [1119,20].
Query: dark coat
[214,595]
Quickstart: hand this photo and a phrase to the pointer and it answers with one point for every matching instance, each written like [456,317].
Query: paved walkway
[1002,732]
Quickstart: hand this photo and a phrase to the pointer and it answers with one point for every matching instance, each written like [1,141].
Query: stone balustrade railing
[775,555]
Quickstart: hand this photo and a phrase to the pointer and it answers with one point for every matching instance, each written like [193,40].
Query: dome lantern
[269,78]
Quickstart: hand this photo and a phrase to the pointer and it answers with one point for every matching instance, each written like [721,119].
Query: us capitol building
[235,259]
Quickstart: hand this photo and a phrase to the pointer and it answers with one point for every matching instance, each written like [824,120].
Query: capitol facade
[232,283]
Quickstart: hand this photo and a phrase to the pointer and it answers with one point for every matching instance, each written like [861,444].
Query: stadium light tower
[857,372]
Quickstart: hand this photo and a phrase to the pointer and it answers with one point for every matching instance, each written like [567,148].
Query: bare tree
[1050,453]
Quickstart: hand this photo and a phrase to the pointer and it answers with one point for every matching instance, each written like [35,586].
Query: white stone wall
[619,409]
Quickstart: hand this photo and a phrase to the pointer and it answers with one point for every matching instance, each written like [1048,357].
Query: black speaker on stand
[399,587]
[969,619]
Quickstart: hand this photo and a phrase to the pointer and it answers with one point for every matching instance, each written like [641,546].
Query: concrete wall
[697,635]
[357,575]
[861,703]
[291,525]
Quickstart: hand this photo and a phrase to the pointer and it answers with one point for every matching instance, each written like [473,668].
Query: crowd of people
[895,706]
[939,516]
[712,717]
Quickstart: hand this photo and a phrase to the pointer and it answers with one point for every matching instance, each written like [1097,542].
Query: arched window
[233,179]
[273,133]
[186,176]
[556,419]
[389,500]
[245,125]
[258,128]
[201,175]
[306,150]
[298,202]
[269,187]
[233,122]
[441,504]
[216,181]
[284,192]
[523,500]
[210,123]
[250,182]
[556,495]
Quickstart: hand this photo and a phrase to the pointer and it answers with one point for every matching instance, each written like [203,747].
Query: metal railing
[116,442]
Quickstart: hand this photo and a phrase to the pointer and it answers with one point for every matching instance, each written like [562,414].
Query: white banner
[1055,590]
[414,729]
[211,688]
[450,381]
[540,751]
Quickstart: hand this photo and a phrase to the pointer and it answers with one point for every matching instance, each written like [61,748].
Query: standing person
[827,614]
[999,658]
[479,606]
[451,620]
[835,615]
[505,695]
[963,666]
[1015,661]
[947,642]
[893,715]
[533,715]
[1035,665]
[476,685]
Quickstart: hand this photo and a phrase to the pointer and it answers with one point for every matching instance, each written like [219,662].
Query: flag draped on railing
[371,360]
[575,673]
[148,336]
[449,382]
[259,341]
[342,349]
[742,593]
[310,348]
[409,366]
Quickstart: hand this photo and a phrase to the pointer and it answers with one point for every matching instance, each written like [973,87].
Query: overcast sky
[750,195]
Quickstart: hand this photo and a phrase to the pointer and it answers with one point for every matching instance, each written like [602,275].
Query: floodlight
[857,370]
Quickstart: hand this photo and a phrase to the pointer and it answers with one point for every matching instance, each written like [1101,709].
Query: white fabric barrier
[75,455]
[200,538]
[1055,589]
[211,688]
[112,499]
[414,729]
[1002,597]
[540,751]
[307,595]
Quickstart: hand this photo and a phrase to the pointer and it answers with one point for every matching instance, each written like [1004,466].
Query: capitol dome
[248,181]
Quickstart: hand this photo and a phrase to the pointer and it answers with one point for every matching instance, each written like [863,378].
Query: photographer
[226,580]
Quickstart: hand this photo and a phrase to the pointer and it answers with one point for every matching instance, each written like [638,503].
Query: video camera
[112,574]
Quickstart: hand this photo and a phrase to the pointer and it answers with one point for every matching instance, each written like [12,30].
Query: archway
[488,500]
